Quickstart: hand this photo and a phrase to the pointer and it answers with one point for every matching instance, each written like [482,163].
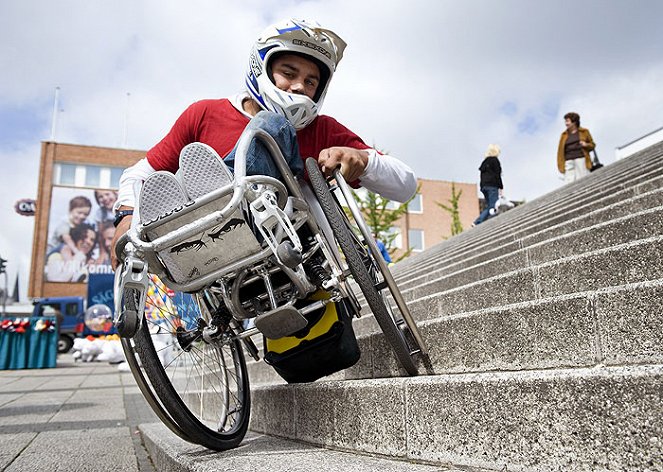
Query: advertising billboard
[80,230]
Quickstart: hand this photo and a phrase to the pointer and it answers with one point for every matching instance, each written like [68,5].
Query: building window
[397,242]
[415,239]
[66,174]
[416,205]
[90,176]
[361,193]
[71,309]
[115,174]
[392,205]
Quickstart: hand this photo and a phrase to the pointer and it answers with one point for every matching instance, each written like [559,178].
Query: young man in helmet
[290,68]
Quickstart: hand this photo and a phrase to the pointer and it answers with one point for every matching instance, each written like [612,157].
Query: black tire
[358,267]
[65,343]
[148,391]
[204,389]
[127,322]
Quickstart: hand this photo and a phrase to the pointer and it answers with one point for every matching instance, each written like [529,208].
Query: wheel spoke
[203,384]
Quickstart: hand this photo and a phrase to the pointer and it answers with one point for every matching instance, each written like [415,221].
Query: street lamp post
[3,270]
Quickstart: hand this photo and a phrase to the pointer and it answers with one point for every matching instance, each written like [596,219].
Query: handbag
[596,164]
[501,205]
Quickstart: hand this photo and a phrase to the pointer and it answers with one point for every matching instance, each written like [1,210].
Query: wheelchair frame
[138,255]
[140,252]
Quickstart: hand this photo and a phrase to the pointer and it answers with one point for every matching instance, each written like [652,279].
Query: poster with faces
[80,231]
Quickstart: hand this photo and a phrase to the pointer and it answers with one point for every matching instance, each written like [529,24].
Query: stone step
[631,262]
[612,326]
[615,174]
[260,452]
[545,347]
[471,243]
[580,419]
[501,247]
[261,374]
[591,187]
[632,199]
[542,209]
[619,223]
[449,292]
[563,205]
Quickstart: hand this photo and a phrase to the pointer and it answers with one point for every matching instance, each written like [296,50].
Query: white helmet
[321,45]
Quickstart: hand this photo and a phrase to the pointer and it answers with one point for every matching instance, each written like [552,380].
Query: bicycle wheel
[359,267]
[201,383]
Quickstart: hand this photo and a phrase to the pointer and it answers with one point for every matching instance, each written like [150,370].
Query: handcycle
[193,281]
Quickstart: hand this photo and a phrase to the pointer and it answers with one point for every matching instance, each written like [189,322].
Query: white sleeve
[141,170]
[388,177]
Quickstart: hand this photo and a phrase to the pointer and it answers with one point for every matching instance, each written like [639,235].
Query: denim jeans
[491,194]
[258,159]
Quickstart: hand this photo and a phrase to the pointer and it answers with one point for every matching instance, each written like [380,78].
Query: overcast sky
[433,82]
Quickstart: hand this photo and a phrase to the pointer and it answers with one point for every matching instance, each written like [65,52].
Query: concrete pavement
[75,417]
[91,417]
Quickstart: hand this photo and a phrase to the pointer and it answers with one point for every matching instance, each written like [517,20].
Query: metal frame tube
[377,256]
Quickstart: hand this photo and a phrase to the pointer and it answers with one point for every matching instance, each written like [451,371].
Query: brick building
[65,171]
[426,223]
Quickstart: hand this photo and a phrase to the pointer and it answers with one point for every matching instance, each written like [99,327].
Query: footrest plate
[280,322]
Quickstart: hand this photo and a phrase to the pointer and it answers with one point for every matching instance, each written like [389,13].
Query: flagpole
[4,296]
[55,113]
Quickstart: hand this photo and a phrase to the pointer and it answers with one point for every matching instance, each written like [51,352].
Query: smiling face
[78,215]
[86,243]
[295,74]
[105,198]
[107,237]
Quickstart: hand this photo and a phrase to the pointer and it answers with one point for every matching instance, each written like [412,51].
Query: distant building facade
[426,224]
[77,185]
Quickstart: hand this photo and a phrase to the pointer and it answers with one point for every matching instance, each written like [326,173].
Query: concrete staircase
[544,327]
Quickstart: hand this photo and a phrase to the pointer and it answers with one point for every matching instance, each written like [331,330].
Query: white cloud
[17,230]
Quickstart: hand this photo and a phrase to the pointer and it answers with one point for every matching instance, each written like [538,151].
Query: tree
[452,209]
[381,219]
